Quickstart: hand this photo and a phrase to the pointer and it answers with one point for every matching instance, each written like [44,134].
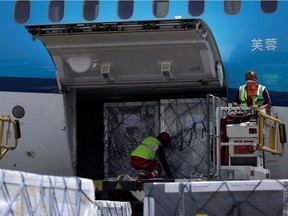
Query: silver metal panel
[169,56]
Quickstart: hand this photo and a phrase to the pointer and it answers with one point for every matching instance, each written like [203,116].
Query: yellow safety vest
[147,149]
[243,94]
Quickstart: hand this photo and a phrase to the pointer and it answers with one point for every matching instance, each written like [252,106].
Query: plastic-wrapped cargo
[254,197]
[24,193]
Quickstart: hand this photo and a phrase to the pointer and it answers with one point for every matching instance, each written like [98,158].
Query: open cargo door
[135,58]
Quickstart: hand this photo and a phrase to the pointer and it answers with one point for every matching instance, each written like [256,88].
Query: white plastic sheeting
[24,194]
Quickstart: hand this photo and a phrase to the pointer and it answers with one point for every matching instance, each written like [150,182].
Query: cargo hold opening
[118,79]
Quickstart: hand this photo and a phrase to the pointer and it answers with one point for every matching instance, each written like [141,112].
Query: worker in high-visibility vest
[241,99]
[143,158]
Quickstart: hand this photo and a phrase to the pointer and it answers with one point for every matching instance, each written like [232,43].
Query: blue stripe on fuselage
[39,85]
[33,85]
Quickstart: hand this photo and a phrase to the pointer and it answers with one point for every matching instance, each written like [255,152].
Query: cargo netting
[128,123]
[24,193]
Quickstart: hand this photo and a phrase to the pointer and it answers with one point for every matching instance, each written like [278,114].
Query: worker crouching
[143,158]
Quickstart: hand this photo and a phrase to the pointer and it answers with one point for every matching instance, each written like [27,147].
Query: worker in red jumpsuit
[143,158]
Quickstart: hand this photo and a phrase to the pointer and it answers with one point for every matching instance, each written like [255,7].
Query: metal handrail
[272,124]
[5,125]
[212,134]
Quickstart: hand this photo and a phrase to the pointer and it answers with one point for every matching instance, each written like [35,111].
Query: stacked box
[254,197]
[31,194]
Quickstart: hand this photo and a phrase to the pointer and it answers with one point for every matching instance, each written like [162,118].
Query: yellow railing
[5,134]
[271,122]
